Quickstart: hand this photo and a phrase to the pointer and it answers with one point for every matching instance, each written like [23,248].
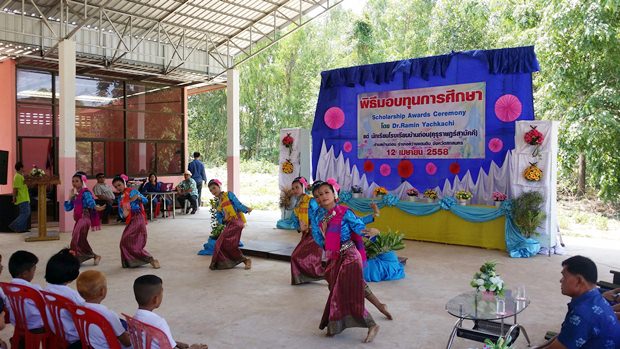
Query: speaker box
[4,166]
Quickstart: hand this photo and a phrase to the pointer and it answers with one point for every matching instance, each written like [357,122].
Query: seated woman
[152,185]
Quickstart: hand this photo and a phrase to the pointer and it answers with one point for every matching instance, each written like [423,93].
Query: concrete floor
[260,309]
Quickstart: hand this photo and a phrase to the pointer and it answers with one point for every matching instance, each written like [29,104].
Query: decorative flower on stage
[413,192]
[533,136]
[447,203]
[37,172]
[380,191]
[288,141]
[431,194]
[390,200]
[532,173]
[463,195]
[487,279]
[356,189]
[288,167]
[499,196]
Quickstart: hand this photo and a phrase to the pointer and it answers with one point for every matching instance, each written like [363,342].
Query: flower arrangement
[533,136]
[499,196]
[37,172]
[430,194]
[413,192]
[288,141]
[487,280]
[380,191]
[356,189]
[288,167]
[532,173]
[216,227]
[463,195]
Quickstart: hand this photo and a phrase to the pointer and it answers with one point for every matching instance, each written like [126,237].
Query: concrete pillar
[232,125]
[66,128]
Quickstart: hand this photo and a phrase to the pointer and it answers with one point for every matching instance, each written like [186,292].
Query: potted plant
[487,281]
[498,198]
[527,213]
[463,196]
[413,194]
[500,344]
[380,192]
[383,263]
[356,191]
[430,195]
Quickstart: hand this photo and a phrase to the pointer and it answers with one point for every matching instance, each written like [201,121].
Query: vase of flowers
[498,198]
[36,172]
[288,141]
[412,194]
[430,195]
[463,196]
[487,280]
[356,191]
[380,192]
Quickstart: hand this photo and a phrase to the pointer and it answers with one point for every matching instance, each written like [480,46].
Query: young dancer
[131,208]
[230,211]
[306,258]
[339,232]
[85,215]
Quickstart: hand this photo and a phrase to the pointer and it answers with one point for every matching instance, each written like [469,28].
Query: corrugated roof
[195,40]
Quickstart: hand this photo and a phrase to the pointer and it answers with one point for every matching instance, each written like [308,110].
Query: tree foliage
[577,43]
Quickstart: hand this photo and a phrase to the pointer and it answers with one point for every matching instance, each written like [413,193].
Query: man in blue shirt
[590,322]
[197,168]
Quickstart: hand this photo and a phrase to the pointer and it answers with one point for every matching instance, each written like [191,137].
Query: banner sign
[443,122]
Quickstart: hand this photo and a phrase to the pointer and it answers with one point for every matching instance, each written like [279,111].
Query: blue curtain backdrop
[505,71]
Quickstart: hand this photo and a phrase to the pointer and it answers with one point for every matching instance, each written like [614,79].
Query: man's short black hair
[19,166]
[196,154]
[584,266]
[99,175]
[21,261]
[63,267]
[146,287]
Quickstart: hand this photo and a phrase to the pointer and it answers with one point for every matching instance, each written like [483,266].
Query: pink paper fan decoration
[347,146]
[431,168]
[508,108]
[334,118]
[495,145]
[385,170]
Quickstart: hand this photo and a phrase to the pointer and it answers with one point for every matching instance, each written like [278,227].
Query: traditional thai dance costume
[306,263]
[85,216]
[133,239]
[345,253]
[306,257]
[227,254]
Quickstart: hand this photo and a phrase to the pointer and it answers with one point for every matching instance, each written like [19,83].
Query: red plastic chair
[84,318]
[17,295]
[142,335]
[55,305]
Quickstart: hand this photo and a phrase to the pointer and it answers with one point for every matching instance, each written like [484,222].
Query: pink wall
[8,140]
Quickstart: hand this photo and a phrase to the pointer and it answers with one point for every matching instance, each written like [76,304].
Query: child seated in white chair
[149,293]
[92,286]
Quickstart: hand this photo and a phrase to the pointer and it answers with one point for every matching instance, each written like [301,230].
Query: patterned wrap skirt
[132,243]
[79,239]
[306,261]
[345,304]
[226,254]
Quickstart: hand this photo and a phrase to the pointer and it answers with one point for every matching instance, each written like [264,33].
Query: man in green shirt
[21,199]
